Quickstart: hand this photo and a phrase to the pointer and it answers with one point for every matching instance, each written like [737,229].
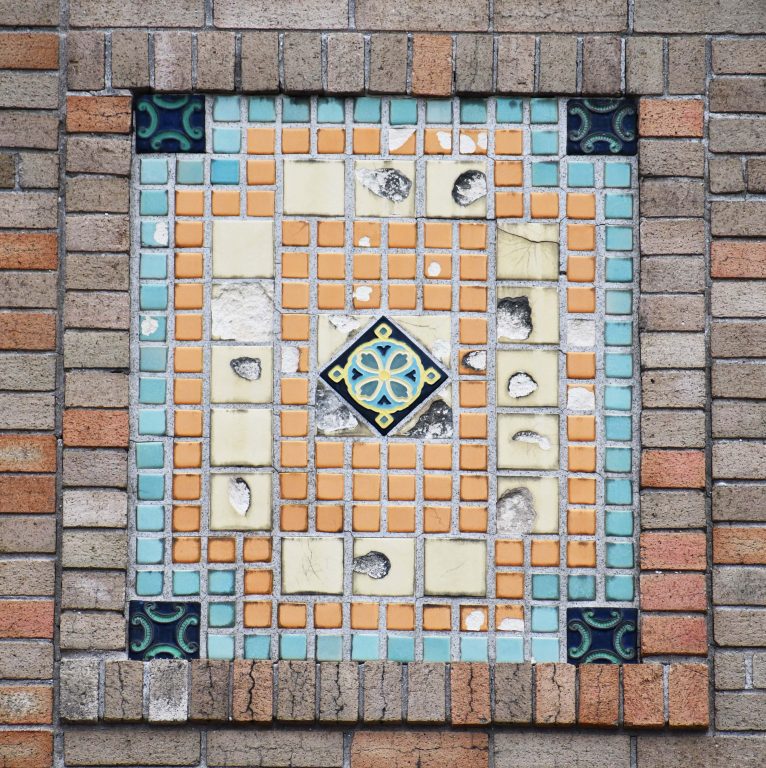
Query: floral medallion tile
[163,630]
[602,635]
[170,123]
[602,126]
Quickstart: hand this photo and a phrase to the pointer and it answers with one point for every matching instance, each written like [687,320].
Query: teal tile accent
[296,109]
[227,140]
[618,334]
[619,587]
[150,455]
[619,270]
[154,170]
[619,302]
[153,266]
[150,517]
[580,174]
[619,491]
[151,422]
[544,619]
[436,648]
[151,391]
[618,522]
[545,586]
[617,174]
[292,647]
[154,202]
[149,551]
[224,171]
[261,109]
[153,296]
[618,398]
[509,111]
[618,427]
[220,647]
[545,649]
[189,171]
[221,615]
[185,583]
[329,648]
[149,583]
[364,647]
[438,111]
[509,650]
[618,459]
[151,487]
[545,142]
[330,110]
[619,238]
[154,234]
[544,111]
[619,554]
[618,206]
[367,109]
[257,647]
[226,108]
[403,111]
[153,330]
[221,582]
[473,649]
[618,365]
[581,587]
[473,111]
[545,174]
[401,648]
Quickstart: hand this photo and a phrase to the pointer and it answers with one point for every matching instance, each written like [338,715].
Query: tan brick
[726,175]
[26,618]
[29,50]
[29,90]
[254,746]
[93,590]
[296,690]
[738,56]
[673,429]
[79,689]
[737,134]
[97,309]
[345,63]
[739,711]
[31,290]
[729,669]
[98,154]
[686,65]
[673,389]
[252,683]
[474,64]
[672,274]
[209,690]
[20,128]
[738,380]
[546,749]
[739,460]
[94,468]
[739,502]
[262,14]
[425,749]
[338,692]
[677,635]
[418,16]
[28,210]
[38,170]
[643,705]
[426,693]
[98,232]
[673,592]
[96,389]
[644,65]
[660,157]
[740,627]
[739,418]
[31,494]
[560,16]
[388,63]
[130,58]
[741,218]
[97,272]
[756,174]
[85,61]
[515,63]
[558,64]
[669,236]
[94,549]
[28,535]
[602,65]
[24,411]
[737,16]
[302,62]
[96,349]
[132,745]
[26,660]
[731,338]
[672,313]
[738,94]
[260,61]
[27,578]
[28,371]
[173,61]
[133,13]
[215,61]
[98,114]
[673,350]
[92,631]
[97,194]
[123,690]
[382,692]
[555,694]
[688,696]
[469,694]
[672,197]
[513,693]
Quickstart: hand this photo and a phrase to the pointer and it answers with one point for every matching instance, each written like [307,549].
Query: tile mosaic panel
[384,394]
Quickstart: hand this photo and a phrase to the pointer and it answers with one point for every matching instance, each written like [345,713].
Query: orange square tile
[260,202]
[331,141]
[296,140]
[438,141]
[469,615]
[187,391]
[189,234]
[294,453]
[582,490]
[581,554]
[473,394]
[366,296]
[509,173]
[328,615]
[189,295]
[329,518]
[509,586]
[257,615]
[400,616]
[260,141]
[402,144]
[295,327]
[401,519]
[581,299]
[437,487]
[473,266]
[401,487]
[582,458]
[294,391]
[473,298]
[365,455]
[581,205]
[295,295]
[221,550]
[402,296]
[187,455]
[509,552]
[402,455]
[292,615]
[437,234]
[473,519]
[581,269]
[188,327]
[261,172]
[545,552]
[581,365]
[188,423]
[260,582]
[544,205]
[473,237]
[257,549]
[295,232]
[331,234]
[294,517]
[189,265]
[508,142]
[474,488]
[473,330]
[473,425]
[437,618]
[366,487]
[364,615]
[504,614]
[366,141]
[190,203]
[438,266]
[437,456]
[331,266]
[581,522]
[581,428]
[437,519]
[187,549]
[473,141]
[473,456]
[401,266]
[293,485]
[330,486]
[365,517]
[225,202]
[367,266]
[437,297]
[186,518]
[295,264]
[329,455]
[367,234]
[509,205]
[581,237]
[294,423]
[402,234]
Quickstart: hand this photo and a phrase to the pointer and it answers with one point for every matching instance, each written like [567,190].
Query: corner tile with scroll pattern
[602,635]
[169,123]
[163,630]
[601,127]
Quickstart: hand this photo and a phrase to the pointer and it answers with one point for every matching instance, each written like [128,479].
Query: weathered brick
[302,62]
[98,154]
[558,64]
[759,669]
[95,428]
[513,693]
[737,134]
[726,175]
[100,194]
[296,690]
[739,546]
[317,748]
[739,586]
[26,619]
[740,627]
[96,349]
[599,695]
[740,711]
[123,690]
[93,590]
[28,250]
[756,174]
[673,389]
[215,60]
[739,502]
[677,635]
[345,63]
[262,14]
[729,668]
[29,90]
[738,460]
[673,592]
[388,63]
[426,701]
[602,65]
[28,210]
[26,660]
[27,578]
[690,751]
[673,429]
[673,551]
[673,469]
[738,56]
[672,197]
[29,50]
[209,690]
[474,64]
[31,494]
[432,65]
[130,58]
[686,65]
[382,692]
[668,236]
[252,685]
[738,94]
[26,704]
[418,16]
[734,258]
[555,694]
[515,63]
[97,271]
[23,411]
[738,380]
[672,274]
[739,418]
[27,453]
[118,13]
[93,468]
[688,696]
[27,371]
[85,61]
[671,117]
[738,16]
[94,549]
[26,749]
[260,61]
[79,690]
[644,65]
[25,535]
[173,61]
[659,157]
[741,218]
[560,16]
[96,389]
[38,170]
[738,339]
[20,128]
[672,313]
[98,114]
[425,749]
[469,694]
[672,509]
[95,509]
[97,309]
[339,692]
[536,749]
[96,631]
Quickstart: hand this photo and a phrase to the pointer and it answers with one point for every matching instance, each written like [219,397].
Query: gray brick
[92,631]
[737,134]
[20,128]
[739,460]
[672,509]
[173,61]
[260,61]
[726,175]
[673,429]
[27,578]
[96,349]
[558,64]
[85,61]
[388,63]
[98,154]
[661,157]
[738,94]
[686,65]
[95,509]
[27,535]
[94,468]
[730,338]
[672,274]
[22,411]
[130,58]
[28,290]
[740,711]
[7,171]
[382,692]
[38,170]
[262,14]
[93,590]
[26,660]
[94,549]
[672,197]
[672,350]
[658,312]
[345,63]
[741,218]
[644,65]
[602,65]
[339,692]
[296,690]
[100,194]
[513,693]
[525,749]
[28,371]
[44,13]
[759,670]
[209,692]
[739,418]
[474,64]
[560,16]
[79,690]
[299,749]
[669,236]
[28,210]
[96,389]
[426,702]
[302,54]
[739,502]
[419,16]
[738,56]
[692,751]
[739,586]
[215,61]
[756,174]
[515,63]
[94,272]
[168,685]
[739,380]
[123,690]
[738,16]
[29,90]
[729,670]
[97,232]
[673,389]
[97,309]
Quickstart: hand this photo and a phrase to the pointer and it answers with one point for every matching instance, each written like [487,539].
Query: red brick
[432,65]
[470,694]
[96,428]
[555,688]
[26,618]
[671,117]
[688,696]
[678,635]
[673,551]
[27,453]
[419,749]
[28,250]
[98,114]
[27,330]
[673,592]
[643,704]
[673,469]
[26,50]
[28,494]
[739,546]
[26,749]
[26,704]
[738,258]
[599,695]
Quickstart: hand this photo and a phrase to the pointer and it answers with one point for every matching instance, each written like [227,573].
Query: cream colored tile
[527,441]
[528,251]
[312,566]
[448,181]
[242,311]
[527,378]
[240,502]
[333,331]
[240,438]
[527,505]
[433,332]
[243,248]
[528,315]
[455,567]
[384,188]
[314,187]
[400,579]
[241,375]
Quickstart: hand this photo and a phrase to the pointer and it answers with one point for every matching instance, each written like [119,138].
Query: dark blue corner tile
[163,630]
[169,122]
[601,127]
[602,635]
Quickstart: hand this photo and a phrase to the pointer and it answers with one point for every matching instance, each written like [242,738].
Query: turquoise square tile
[227,140]
[330,110]
[618,398]
[403,111]
[619,587]
[619,554]
[509,650]
[618,459]
[154,234]
[224,171]
[618,522]
[619,238]
[618,365]
[545,649]
[226,108]
[329,648]
[473,111]
[618,206]
[153,202]
[154,170]
[261,109]
[221,582]
[619,491]
[544,111]
[545,174]
[185,583]
[151,391]
[545,142]
[581,587]
[150,517]
[619,302]
[473,649]
[619,270]
[189,171]
[618,334]
[151,487]
[509,111]
[221,615]
[401,648]
[220,647]
[436,648]
[617,174]
[150,455]
[545,586]
[296,109]
[580,174]
[545,619]
[618,427]
[292,647]
[149,583]
[364,648]
[153,266]
[152,327]
[257,647]
[149,551]
[151,421]
[153,296]
[438,111]
[367,109]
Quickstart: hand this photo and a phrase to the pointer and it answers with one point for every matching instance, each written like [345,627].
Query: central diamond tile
[384,375]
